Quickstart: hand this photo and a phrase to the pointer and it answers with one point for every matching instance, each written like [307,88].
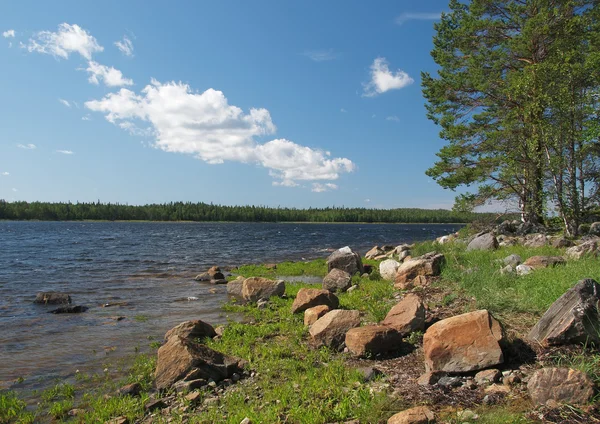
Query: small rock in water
[52,298]
[69,310]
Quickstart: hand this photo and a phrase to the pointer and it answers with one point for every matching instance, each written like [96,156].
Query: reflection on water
[143,273]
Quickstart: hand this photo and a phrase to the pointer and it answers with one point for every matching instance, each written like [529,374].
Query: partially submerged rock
[463,343]
[256,288]
[561,385]
[337,280]
[192,330]
[346,260]
[330,330]
[485,241]
[427,265]
[373,340]
[181,359]
[307,298]
[69,310]
[52,298]
[572,318]
[407,316]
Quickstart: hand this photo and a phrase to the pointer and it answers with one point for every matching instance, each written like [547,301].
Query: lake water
[146,270]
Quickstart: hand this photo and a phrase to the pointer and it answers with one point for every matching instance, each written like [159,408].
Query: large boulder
[463,343]
[307,298]
[337,280]
[181,359]
[485,241]
[407,316]
[561,385]
[388,269]
[573,318]
[234,287]
[330,330]
[52,298]
[346,260]
[256,288]
[373,340]
[589,247]
[535,240]
[192,330]
[417,415]
[537,262]
[311,315]
[427,265]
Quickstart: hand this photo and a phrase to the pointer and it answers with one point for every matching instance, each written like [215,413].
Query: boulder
[561,242]
[523,269]
[346,260]
[192,330]
[374,252]
[330,330]
[133,389]
[561,385]
[485,241]
[589,247]
[71,309]
[429,264]
[407,316]
[311,315]
[537,262]
[52,298]
[181,359]
[337,280]
[403,255]
[573,318]
[215,273]
[388,268]
[535,240]
[513,260]
[255,288]
[463,343]
[373,340]
[417,415]
[202,277]
[234,288]
[307,298]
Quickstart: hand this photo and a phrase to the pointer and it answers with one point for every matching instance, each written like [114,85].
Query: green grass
[317,268]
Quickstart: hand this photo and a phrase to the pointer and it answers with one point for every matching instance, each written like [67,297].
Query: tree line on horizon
[188,211]
[516,97]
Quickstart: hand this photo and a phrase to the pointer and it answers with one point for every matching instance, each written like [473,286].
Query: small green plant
[59,409]
[140,318]
[10,406]
[414,338]
[155,344]
[60,391]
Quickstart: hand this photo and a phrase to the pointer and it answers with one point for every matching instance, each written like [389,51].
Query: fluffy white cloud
[9,34]
[393,118]
[27,146]
[112,77]
[320,188]
[68,39]
[321,55]
[382,79]
[125,46]
[65,102]
[65,152]
[5,174]
[207,126]
[405,17]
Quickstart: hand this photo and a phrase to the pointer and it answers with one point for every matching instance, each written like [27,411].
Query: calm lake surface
[147,269]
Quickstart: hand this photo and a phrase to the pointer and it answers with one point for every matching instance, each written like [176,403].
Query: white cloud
[112,77]
[321,55]
[65,102]
[125,46]
[15,190]
[5,174]
[9,34]
[65,152]
[320,188]
[405,17]
[27,146]
[393,118]
[382,79]
[207,126]
[86,118]
[68,39]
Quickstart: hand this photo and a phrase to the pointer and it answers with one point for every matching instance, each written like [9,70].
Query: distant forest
[180,211]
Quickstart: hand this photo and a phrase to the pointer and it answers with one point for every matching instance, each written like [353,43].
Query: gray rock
[346,260]
[69,310]
[234,288]
[52,298]
[573,318]
[485,241]
[337,280]
[524,269]
[508,269]
[535,240]
[513,260]
[589,247]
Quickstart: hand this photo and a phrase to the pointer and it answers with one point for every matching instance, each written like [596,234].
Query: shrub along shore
[291,375]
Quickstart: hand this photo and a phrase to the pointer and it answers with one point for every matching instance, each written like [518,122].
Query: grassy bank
[295,383]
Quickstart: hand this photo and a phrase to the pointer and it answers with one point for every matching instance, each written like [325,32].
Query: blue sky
[270,102]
